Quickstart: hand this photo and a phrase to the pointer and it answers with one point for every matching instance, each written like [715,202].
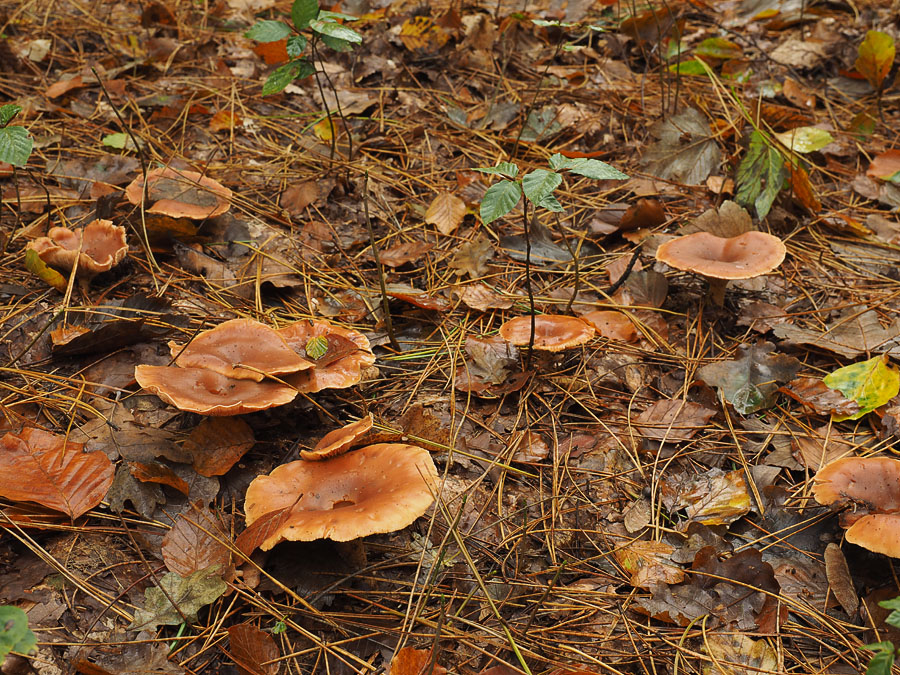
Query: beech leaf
[446,212]
[870,383]
[875,57]
[190,594]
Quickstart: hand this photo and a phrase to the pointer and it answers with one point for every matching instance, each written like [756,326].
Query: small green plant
[15,142]
[310,26]
[15,636]
[885,652]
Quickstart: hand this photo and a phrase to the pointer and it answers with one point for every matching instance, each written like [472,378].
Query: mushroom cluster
[97,247]
[243,366]
[872,486]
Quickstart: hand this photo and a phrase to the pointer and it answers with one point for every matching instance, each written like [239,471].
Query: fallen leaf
[190,594]
[737,654]
[196,543]
[649,563]
[815,394]
[218,443]
[224,120]
[446,212]
[410,661]
[856,332]
[805,139]
[44,272]
[685,151]
[760,175]
[875,57]
[153,472]
[728,220]
[261,529]
[43,468]
[405,252]
[886,166]
[472,257]
[251,648]
[145,497]
[797,53]
[750,382]
[612,325]
[480,297]
[870,383]
[491,359]
[802,189]
[839,579]
[712,498]
[820,447]
[673,420]
[296,198]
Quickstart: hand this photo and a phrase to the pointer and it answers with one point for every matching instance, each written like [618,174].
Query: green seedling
[15,142]
[15,636]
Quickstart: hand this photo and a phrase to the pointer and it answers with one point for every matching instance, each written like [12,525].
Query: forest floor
[640,503]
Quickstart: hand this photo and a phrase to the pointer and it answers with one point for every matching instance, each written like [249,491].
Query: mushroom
[207,392]
[872,484]
[338,441]
[552,332]
[241,348]
[341,365]
[376,489]
[720,260]
[98,247]
[180,194]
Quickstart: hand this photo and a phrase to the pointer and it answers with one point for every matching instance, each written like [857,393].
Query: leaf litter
[639,503]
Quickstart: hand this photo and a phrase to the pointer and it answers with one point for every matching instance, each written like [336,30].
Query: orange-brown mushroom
[376,489]
[612,325]
[240,348]
[206,392]
[341,366]
[180,194]
[98,247]
[720,260]
[552,332]
[338,441]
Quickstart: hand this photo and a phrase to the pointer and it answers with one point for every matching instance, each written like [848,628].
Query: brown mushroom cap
[206,392]
[240,342]
[873,481]
[340,373]
[552,333]
[338,441]
[745,256]
[180,194]
[98,246]
[877,532]
[378,488]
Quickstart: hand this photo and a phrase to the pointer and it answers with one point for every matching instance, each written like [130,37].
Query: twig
[384,297]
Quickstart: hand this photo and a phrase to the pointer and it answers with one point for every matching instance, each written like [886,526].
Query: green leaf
[688,67]
[507,169]
[7,112]
[870,383]
[499,200]
[337,44]
[317,347]
[44,272]
[116,140]
[883,660]
[303,12]
[760,176]
[325,15]
[805,139]
[551,203]
[540,184]
[189,593]
[894,617]
[876,56]
[335,30]
[559,162]
[595,169]
[15,636]
[15,145]
[718,48]
[284,75]
[295,46]
[268,31]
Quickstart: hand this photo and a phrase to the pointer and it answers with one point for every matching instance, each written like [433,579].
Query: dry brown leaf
[157,473]
[50,470]
[612,325]
[217,443]
[814,393]
[194,543]
[839,579]
[296,198]
[852,334]
[480,297]
[446,212]
[673,420]
[649,563]
[250,648]
[712,498]
[405,252]
[410,661]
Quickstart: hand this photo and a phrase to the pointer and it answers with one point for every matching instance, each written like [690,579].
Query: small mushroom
[376,489]
[338,441]
[720,260]
[552,332]
[340,367]
[206,392]
[180,194]
[871,484]
[241,348]
[98,247]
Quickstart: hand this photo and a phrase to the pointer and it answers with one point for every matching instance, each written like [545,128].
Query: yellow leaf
[324,129]
[876,56]
[870,383]
[40,269]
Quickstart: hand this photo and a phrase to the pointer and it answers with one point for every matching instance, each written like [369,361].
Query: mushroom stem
[717,290]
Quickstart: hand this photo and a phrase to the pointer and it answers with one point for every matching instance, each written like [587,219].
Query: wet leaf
[316,347]
[760,176]
[856,332]
[886,166]
[472,257]
[815,394]
[15,635]
[712,498]
[673,420]
[446,212]
[750,381]
[250,648]
[195,543]
[261,529]
[410,661]
[50,470]
[190,594]
[685,151]
[15,145]
[870,383]
[153,472]
[44,272]
[649,563]
[876,56]
[805,139]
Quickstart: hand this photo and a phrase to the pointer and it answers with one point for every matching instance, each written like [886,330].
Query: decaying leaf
[750,381]
[482,298]
[856,332]
[649,563]
[446,212]
[814,393]
[760,175]
[190,594]
[870,384]
[685,151]
[673,420]
[196,542]
[472,257]
[839,579]
[737,654]
[217,443]
[875,58]
[410,661]
[252,650]
[712,498]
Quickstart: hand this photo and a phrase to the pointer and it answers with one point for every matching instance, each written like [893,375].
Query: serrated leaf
[15,145]
[44,272]
[295,46]
[870,383]
[499,200]
[317,347]
[283,76]
[760,176]
[551,203]
[190,593]
[805,139]
[335,30]
[559,162]
[883,660]
[303,12]
[336,44]
[507,169]
[540,184]
[876,56]
[7,112]
[15,636]
[595,169]
[268,31]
